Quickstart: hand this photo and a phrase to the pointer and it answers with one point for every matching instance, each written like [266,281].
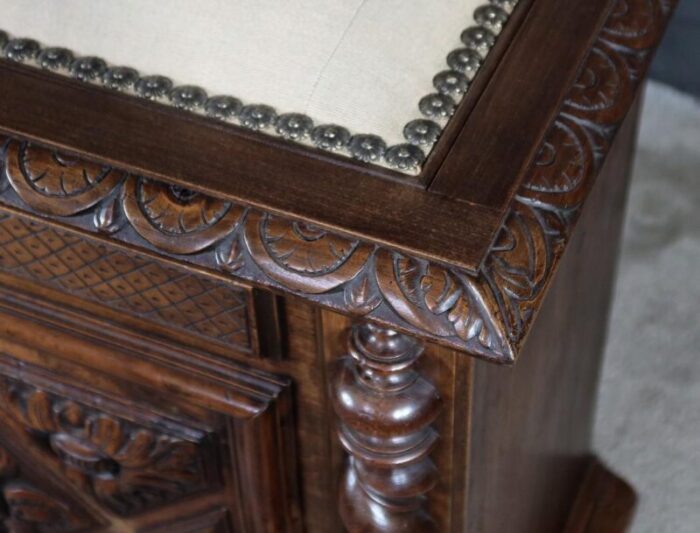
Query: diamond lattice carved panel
[126,282]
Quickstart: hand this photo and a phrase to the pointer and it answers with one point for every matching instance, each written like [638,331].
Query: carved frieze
[488,314]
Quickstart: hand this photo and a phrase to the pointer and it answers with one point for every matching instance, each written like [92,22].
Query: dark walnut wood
[203,329]
[488,314]
[155,293]
[532,423]
[385,410]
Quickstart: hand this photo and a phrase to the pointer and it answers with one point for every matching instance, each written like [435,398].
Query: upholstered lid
[392,69]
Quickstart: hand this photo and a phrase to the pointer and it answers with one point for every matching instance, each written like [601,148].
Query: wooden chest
[206,328]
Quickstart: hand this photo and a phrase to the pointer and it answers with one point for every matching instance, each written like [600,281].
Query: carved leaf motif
[137,452]
[105,433]
[230,257]
[521,254]
[125,466]
[39,413]
[361,295]
[107,218]
[441,301]
[599,84]
[634,23]
[31,510]
[71,414]
[24,508]
[563,162]
[472,323]
[57,174]
[175,210]
[302,257]
[175,219]
[57,183]
[301,247]
[440,290]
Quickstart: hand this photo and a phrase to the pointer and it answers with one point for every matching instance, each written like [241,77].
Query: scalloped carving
[303,257]
[175,219]
[57,183]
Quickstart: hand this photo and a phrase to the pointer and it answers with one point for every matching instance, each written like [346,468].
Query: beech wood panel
[531,425]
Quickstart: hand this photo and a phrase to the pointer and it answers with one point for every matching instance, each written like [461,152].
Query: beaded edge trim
[421,134]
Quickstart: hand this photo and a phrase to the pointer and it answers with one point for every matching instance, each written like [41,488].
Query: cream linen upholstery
[363,64]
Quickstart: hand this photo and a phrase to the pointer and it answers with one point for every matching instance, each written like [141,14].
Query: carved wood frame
[487,313]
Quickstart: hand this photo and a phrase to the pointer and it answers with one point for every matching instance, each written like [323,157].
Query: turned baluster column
[385,409]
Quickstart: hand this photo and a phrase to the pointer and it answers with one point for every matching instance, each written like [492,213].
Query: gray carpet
[648,420]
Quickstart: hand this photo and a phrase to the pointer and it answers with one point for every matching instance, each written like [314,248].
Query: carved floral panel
[24,508]
[126,466]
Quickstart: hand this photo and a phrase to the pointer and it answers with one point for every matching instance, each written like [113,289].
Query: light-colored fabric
[363,64]
[648,422]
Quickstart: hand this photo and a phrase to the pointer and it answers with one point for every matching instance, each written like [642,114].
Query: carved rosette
[385,411]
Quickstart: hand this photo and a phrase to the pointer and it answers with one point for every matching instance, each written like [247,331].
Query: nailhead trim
[421,133]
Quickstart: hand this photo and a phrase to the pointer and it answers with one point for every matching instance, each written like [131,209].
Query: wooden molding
[487,314]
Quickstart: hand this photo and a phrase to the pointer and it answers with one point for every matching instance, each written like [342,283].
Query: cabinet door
[129,443]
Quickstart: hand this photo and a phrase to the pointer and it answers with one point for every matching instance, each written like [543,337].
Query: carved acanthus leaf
[25,508]
[125,466]
[108,217]
[361,294]
[229,257]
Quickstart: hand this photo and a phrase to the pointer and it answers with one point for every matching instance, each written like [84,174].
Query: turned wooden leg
[385,409]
